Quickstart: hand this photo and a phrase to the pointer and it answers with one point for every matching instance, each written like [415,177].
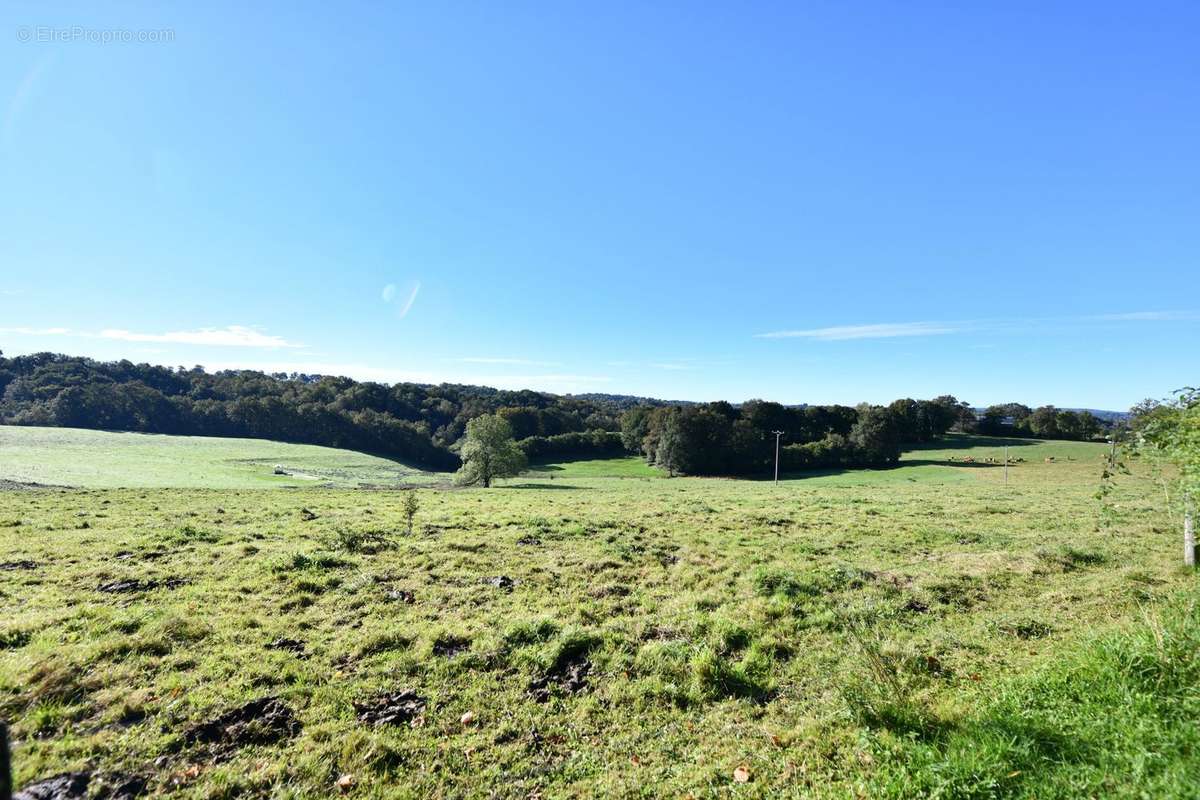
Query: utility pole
[777,435]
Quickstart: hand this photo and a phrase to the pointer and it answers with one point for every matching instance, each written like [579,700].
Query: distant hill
[1107,416]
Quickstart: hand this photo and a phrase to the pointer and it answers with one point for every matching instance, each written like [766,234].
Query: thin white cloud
[35,332]
[390,292]
[412,298]
[517,362]
[671,366]
[1149,316]
[230,336]
[890,330]
[26,90]
[885,330]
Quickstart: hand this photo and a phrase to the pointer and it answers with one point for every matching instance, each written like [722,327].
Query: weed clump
[367,542]
[1069,559]
[809,583]
[297,562]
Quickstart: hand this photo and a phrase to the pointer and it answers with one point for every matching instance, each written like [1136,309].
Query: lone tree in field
[411,505]
[489,452]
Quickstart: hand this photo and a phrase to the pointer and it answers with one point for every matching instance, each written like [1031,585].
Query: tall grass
[1117,719]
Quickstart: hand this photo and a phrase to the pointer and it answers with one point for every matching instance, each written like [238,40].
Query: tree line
[425,424]
[417,423]
[721,439]
[1046,422]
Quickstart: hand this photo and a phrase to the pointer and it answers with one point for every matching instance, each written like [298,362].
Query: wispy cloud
[671,366]
[891,330]
[391,292]
[883,330]
[412,298]
[1149,316]
[35,332]
[516,362]
[231,336]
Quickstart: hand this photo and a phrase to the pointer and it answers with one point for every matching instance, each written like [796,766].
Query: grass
[106,459]
[623,467]
[853,635]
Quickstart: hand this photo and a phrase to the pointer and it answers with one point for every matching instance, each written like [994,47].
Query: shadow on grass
[545,486]
[941,462]
[969,442]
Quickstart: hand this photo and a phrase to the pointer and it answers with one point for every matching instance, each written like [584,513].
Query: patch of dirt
[661,633]
[529,540]
[289,645]
[129,585]
[915,606]
[307,515]
[569,676]
[24,564]
[502,582]
[403,707]
[126,586]
[79,785]
[450,646]
[264,721]
[126,555]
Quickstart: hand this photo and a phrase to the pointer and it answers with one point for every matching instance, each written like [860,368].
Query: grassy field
[104,459]
[595,630]
[626,467]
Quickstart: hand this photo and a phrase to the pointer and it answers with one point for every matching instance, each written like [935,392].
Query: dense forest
[422,424]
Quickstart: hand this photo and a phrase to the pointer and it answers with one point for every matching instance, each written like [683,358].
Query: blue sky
[808,202]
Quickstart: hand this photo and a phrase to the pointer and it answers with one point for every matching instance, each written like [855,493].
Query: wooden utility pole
[777,435]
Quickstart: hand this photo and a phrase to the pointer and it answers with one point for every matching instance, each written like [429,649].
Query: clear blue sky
[1000,201]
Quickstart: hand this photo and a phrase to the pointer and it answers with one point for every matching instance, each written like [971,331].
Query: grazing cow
[1049,459]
